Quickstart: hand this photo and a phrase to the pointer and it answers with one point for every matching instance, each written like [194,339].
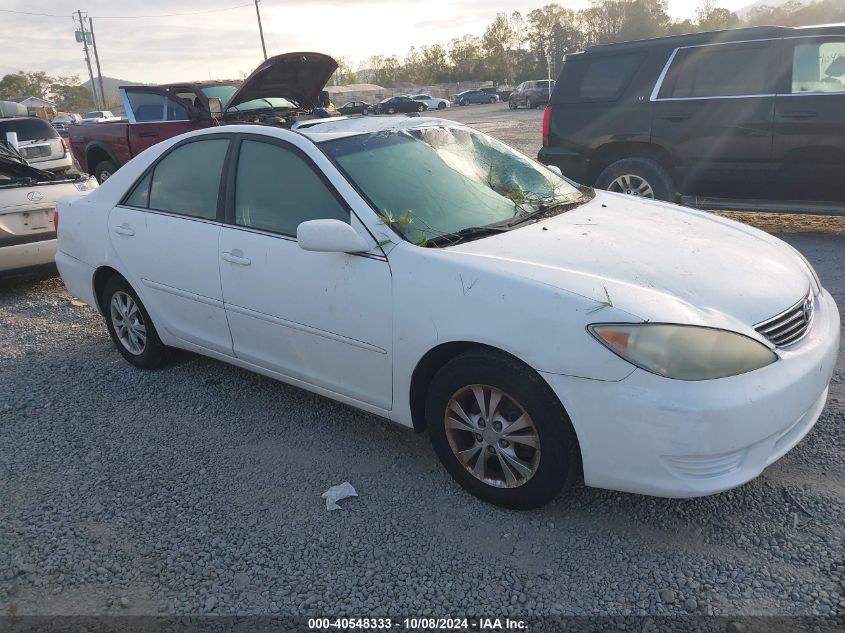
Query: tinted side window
[140,196]
[819,66]
[719,71]
[277,190]
[606,79]
[187,180]
[152,106]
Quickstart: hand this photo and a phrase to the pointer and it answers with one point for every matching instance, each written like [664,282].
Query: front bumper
[673,438]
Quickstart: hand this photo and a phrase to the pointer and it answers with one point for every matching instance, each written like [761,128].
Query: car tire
[104,170]
[512,105]
[528,103]
[391,110]
[493,99]
[545,468]
[441,105]
[641,177]
[420,108]
[464,102]
[124,312]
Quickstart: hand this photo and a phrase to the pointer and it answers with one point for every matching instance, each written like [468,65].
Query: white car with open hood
[424,272]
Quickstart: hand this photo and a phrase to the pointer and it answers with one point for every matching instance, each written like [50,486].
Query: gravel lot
[196,490]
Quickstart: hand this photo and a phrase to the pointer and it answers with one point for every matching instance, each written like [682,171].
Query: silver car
[38,143]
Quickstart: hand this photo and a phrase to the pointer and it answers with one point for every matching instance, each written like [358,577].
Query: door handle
[148,134]
[678,116]
[799,114]
[124,229]
[236,257]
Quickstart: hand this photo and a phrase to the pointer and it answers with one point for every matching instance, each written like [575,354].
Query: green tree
[435,64]
[466,55]
[12,86]
[711,17]
[498,41]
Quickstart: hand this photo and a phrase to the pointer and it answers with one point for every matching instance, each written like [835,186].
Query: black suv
[750,114]
[530,94]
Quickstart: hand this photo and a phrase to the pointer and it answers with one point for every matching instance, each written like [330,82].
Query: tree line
[514,46]
[66,91]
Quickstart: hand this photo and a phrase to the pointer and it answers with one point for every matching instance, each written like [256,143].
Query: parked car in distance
[433,103]
[98,116]
[651,364]
[475,96]
[354,107]
[393,105]
[531,94]
[27,202]
[38,143]
[281,91]
[748,117]
[63,121]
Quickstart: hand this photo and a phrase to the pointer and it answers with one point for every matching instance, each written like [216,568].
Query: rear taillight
[66,146]
[56,220]
[547,116]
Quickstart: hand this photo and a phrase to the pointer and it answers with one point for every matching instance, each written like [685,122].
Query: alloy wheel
[492,436]
[632,185]
[128,323]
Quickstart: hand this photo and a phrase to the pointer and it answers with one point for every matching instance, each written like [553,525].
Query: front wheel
[441,105]
[512,105]
[130,326]
[464,102]
[639,177]
[500,431]
[420,108]
[391,110]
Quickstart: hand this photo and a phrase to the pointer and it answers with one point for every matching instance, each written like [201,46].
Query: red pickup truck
[282,90]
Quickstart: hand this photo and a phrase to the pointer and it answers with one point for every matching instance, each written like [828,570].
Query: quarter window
[187,180]
[722,70]
[606,79]
[277,190]
[819,67]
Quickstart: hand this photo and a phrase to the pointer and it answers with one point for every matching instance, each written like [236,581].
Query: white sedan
[433,103]
[424,272]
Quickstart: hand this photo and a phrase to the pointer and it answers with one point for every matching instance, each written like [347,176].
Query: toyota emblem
[34,196]
[808,309]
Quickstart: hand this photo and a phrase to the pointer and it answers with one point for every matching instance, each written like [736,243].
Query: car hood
[297,77]
[655,261]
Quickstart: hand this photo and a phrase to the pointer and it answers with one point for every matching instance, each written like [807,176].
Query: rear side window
[724,70]
[153,106]
[187,180]
[597,78]
[276,190]
[28,129]
[819,66]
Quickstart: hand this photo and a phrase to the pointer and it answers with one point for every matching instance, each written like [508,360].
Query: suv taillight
[547,115]
[56,220]
[66,145]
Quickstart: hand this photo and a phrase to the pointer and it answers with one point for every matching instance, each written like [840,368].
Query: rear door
[166,232]
[713,111]
[809,126]
[155,115]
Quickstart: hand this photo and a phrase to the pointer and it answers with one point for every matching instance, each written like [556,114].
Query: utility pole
[260,30]
[97,59]
[88,59]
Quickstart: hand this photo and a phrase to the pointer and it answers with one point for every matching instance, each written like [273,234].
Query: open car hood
[297,77]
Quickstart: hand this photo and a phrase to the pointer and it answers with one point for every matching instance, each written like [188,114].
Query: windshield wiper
[472,232]
[549,209]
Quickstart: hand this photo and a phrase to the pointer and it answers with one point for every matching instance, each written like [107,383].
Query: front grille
[791,325]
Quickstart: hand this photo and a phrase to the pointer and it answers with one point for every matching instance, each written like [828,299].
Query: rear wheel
[391,110]
[464,102]
[500,431]
[512,105]
[639,177]
[492,99]
[441,105]
[420,108]
[130,327]
[104,170]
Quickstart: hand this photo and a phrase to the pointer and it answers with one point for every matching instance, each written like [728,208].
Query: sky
[220,39]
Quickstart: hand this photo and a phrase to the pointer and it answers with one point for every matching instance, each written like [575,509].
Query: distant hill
[110,85]
[744,12]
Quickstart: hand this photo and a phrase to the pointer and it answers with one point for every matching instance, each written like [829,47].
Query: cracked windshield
[436,185]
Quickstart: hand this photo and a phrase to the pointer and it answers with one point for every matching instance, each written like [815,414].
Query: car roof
[712,37]
[330,129]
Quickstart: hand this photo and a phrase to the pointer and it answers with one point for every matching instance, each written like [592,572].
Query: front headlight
[683,352]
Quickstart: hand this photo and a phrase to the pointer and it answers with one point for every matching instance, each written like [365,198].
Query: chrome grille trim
[791,325]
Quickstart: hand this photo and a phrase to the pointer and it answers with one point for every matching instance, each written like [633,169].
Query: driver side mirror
[215,107]
[330,236]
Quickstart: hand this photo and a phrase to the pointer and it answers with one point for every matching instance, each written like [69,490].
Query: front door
[713,112]
[809,139]
[166,234]
[321,318]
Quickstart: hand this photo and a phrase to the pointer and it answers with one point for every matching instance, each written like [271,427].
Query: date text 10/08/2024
[413,624]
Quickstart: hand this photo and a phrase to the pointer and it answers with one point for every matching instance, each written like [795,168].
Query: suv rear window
[28,129]
[723,70]
[596,78]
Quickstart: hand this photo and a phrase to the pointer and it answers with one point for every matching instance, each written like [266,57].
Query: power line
[131,17]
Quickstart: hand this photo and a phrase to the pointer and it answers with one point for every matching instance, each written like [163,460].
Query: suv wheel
[499,430]
[528,103]
[641,177]
[104,170]
[512,104]
[130,327]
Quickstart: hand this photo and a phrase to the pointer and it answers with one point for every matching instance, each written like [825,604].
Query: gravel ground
[196,490]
